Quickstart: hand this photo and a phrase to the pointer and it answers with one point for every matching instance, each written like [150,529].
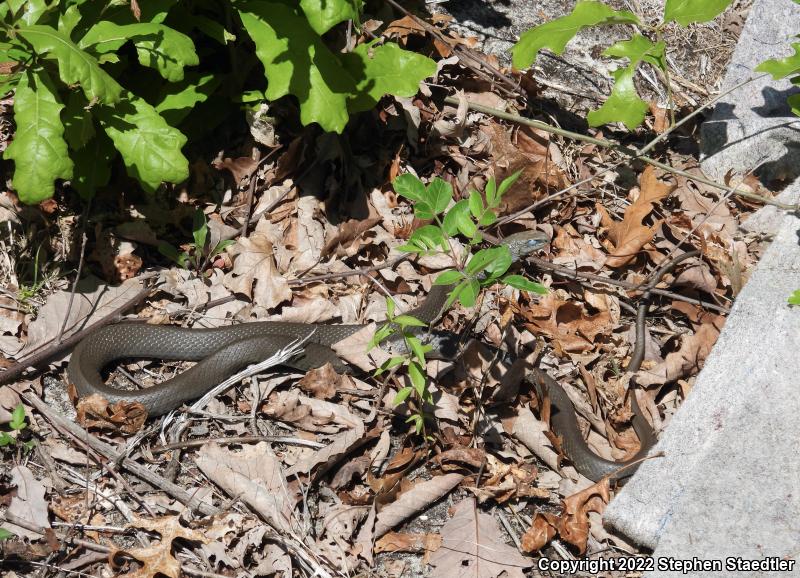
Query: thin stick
[632,153]
[141,472]
[77,273]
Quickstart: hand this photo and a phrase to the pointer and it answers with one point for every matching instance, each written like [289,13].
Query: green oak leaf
[384,69]
[687,11]
[624,104]
[78,122]
[298,63]
[159,47]
[322,15]
[93,165]
[782,67]
[179,99]
[32,10]
[38,150]
[75,66]
[638,49]
[556,33]
[150,148]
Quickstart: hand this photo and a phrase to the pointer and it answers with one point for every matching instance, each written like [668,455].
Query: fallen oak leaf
[94,411]
[688,359]
[157,558]
[420,496]
[630,235]
[473,547]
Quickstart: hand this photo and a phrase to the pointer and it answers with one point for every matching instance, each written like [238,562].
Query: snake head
[524,243]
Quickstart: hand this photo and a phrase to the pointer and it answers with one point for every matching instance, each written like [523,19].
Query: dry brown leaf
[404,27]
[27,504]
[330,454]
[688,360]
[240,168]
[419,497]
[534,155]
[94,411]
[573,525]
[93,300]
[571,328]
[310,414]
[157,558]
[473,543]
[254,476]
[532,433]
[630,235]
[347,240]
[543,529]
[321,382]
[254,273]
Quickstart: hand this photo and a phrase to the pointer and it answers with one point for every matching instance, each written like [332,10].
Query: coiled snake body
[221,352]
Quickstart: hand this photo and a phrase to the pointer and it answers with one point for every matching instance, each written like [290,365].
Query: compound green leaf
[687,11]
[782,67]
[439,194]
[409,186]
[75,66]
[150,148]
[297,61]
[159,47]
[384,69]
[324,14]
[624,104]
[93,165]
[38,150]
[556,33]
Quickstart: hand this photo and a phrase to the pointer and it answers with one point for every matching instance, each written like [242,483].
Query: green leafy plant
[794,299]
[624,104]
[96,79]
[16,424]
[786,67]
[450,220]
[199,253]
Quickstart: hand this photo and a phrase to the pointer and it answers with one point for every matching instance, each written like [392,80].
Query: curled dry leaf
[630,235]
[473,546]
[347,240]
[689,359]
[157,558]
[94,411]
[419,497]
[321,382]
[573,523]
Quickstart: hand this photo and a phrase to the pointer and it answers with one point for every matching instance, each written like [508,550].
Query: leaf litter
[320,473]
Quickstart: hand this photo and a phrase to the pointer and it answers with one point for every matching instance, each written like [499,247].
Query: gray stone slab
[729,484]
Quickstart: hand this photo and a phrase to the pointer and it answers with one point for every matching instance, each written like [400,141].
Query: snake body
[221,352]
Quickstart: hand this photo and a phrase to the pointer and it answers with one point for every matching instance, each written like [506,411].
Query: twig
[77,273]
[289,441]
[51,349]
[568,273]
[63,424]
[251,189]
[342,274]
[632,153]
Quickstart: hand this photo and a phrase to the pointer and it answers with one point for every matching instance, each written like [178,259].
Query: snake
[223,351]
